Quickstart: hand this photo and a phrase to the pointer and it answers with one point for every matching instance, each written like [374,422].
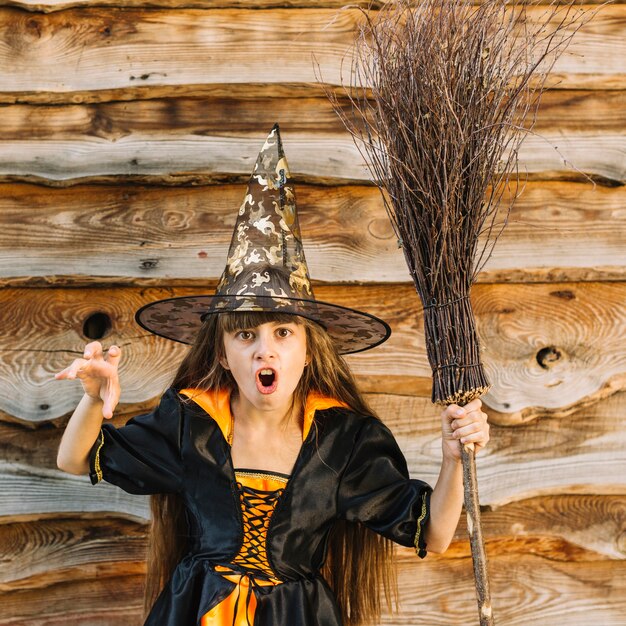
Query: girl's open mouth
[266,380]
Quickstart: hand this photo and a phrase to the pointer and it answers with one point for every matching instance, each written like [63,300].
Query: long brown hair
[359,565]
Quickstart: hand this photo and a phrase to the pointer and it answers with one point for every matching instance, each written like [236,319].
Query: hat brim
[180,319]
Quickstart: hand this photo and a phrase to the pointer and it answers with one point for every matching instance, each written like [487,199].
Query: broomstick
[442,95]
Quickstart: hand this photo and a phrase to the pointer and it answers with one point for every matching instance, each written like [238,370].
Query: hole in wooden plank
[548,356]
[97,326]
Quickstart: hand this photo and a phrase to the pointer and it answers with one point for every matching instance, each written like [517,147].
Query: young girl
[276,493]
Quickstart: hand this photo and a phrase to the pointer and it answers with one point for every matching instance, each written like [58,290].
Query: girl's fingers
[474,427]
[93,350]
[478,438]
[475,432]
[474,405]
[453,411]
[467,424]
[92,365]
[96,368]
[113,355]
[456,411]
[473,418]
[71,370]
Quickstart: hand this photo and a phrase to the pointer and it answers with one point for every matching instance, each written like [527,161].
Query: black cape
[349,467]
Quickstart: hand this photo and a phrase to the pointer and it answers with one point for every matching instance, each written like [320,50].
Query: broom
[442,94]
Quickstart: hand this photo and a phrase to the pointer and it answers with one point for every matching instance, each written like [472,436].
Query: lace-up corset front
[259,493]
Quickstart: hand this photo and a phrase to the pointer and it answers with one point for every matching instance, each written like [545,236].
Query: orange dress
[259,492]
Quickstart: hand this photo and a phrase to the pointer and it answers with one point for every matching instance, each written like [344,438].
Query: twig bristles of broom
[441,99]
[441,96]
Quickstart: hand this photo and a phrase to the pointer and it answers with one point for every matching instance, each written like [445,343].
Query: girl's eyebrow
[242,329]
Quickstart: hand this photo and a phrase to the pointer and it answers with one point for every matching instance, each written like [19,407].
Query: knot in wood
[97,326]
[148,264]
[548,356]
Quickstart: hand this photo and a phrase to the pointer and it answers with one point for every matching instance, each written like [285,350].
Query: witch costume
[256,539]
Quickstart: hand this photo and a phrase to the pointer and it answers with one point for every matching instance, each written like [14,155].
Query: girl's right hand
[98,376]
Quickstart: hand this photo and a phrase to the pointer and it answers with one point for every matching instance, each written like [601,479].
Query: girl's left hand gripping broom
[440,92]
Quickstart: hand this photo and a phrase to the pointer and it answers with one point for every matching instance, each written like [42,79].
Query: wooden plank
[575,110]
[520,463]
[585,453]
[526,591]
[541,344]
[204,159]
[559,527]
[545,343]
[89,539]
[560,111]
[90,600]
[83,50]
[31,492]
[174,141]
[556,527]
[50,6]
[52,550]
[567,595]
[172,236]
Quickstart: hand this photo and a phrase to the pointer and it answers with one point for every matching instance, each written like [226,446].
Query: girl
[276,493]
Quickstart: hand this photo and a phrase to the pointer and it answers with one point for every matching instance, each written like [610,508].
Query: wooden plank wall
[128,130]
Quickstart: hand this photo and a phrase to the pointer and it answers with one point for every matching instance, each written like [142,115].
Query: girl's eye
[283,332]
[244,334]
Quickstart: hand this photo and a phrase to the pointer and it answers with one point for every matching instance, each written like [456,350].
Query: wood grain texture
[31,492]
[551,346]
[559,537]
[551,585]
[330,159]
[62,315]
[98,49]
[526,591]
[561,110]
[557,527]
[583,454]
[170,236]
[176,141]
[50,6]
[546,347]
[37,554]
[89,600]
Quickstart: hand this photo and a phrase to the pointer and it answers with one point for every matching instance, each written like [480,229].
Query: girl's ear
[221,358]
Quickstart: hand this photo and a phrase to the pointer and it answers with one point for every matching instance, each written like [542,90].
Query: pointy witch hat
[266,269]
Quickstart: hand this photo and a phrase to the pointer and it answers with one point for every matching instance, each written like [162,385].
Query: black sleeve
[144,456]
[375,489]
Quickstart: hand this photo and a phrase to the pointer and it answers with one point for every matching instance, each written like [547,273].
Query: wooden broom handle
[475,531]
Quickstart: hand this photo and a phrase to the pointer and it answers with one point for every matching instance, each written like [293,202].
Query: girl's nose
[265,345]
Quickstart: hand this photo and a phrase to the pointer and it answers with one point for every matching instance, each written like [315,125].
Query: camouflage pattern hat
[266,269]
